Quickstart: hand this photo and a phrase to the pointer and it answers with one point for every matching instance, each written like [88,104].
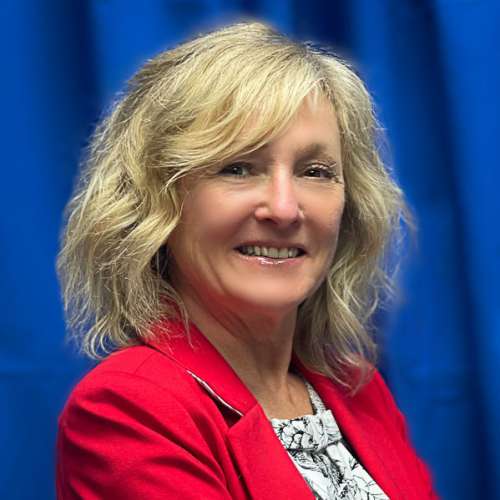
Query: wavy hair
[189,109]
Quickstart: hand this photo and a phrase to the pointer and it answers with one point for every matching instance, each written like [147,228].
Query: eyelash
[226,169]
[328,171]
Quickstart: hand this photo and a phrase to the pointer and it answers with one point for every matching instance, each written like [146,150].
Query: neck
[257,346]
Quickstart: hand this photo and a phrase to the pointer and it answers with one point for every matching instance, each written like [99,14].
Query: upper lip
[273,244]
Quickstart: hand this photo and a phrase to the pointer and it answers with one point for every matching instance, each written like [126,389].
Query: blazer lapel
[266,467]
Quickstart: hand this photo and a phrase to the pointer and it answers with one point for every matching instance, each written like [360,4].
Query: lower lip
[267,261]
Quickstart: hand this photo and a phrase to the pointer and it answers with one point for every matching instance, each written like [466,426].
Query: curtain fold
[434,70]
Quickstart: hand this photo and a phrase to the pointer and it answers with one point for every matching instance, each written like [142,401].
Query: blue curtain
[434,70]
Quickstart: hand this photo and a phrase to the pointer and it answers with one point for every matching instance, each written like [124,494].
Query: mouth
[271,252]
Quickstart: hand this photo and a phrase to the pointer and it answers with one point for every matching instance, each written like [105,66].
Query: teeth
[272,252]
[283,253]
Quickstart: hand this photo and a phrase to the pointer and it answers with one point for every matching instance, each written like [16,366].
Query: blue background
[434,70]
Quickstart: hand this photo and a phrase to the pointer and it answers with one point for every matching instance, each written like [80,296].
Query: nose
[280,202]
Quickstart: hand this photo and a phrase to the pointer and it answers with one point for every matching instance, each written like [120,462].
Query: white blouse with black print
[321,455]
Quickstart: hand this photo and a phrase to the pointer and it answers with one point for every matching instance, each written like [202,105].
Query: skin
[289,193]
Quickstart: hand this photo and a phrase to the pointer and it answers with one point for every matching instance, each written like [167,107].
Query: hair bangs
[245,110]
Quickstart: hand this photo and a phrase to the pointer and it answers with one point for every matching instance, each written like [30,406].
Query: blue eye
[235,169]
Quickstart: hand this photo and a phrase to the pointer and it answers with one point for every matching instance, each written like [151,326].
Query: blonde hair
[189,109]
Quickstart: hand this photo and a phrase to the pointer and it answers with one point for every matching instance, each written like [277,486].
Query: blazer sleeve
[124,437]
[401,425]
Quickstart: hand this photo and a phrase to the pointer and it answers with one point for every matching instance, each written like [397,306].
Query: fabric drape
[433,68]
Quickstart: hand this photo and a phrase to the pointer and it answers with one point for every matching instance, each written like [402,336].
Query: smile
[271,252]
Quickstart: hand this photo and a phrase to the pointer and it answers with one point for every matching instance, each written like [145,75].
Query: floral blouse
[321,455]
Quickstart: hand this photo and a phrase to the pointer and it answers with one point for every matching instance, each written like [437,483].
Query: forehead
[312,131]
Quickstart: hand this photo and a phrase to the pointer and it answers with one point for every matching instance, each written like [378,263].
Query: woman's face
[261,232]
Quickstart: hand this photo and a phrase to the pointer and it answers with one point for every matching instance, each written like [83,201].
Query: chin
[269,302]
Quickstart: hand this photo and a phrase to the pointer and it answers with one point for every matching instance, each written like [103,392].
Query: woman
[225,244]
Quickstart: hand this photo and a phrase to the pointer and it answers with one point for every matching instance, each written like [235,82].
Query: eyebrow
[310,151]
[316,149]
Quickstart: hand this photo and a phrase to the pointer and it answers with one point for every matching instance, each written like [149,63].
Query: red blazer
[174,421]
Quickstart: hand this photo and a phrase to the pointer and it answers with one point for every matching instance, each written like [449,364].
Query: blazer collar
[202,360]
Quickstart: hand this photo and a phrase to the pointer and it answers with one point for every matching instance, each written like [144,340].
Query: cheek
[330,229]
[332,219]
[205,229]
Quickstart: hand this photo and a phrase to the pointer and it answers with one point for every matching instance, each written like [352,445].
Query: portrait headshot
[226,247]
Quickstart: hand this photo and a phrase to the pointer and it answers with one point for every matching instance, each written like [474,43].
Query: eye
[236,169]
[321,171]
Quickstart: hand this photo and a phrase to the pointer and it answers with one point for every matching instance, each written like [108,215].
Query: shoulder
[376,387]
[142,362]
[136,421]
[132,383]
[135,365]
[138,361]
